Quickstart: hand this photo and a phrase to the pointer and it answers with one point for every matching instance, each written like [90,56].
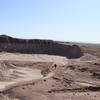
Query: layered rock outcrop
[37,46]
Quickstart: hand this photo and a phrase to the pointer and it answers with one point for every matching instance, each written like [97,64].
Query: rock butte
[37,46]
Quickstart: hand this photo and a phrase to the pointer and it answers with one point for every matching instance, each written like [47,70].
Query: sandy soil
[36,77]
[33,57]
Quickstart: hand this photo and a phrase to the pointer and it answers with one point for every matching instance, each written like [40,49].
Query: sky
[63,20]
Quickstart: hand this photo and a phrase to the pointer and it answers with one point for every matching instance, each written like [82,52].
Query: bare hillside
[73,73]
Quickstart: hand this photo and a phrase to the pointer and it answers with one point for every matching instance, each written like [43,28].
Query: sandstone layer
[37,46]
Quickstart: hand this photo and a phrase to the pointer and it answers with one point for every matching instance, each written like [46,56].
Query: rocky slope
[32,69]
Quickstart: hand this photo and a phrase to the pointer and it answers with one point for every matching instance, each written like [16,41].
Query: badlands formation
[33,69]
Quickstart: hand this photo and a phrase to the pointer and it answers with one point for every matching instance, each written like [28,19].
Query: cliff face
[36,46]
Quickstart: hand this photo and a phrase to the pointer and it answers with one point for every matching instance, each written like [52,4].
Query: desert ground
[35,77]
[50,77]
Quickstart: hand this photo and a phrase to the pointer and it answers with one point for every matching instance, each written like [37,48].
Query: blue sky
[66,20]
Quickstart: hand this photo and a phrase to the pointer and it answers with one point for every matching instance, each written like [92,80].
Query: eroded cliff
[37,46]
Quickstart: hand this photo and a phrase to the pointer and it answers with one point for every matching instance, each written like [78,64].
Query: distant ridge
[38,46]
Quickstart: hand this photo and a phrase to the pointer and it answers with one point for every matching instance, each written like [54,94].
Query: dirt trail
[23,76]
[20,76]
